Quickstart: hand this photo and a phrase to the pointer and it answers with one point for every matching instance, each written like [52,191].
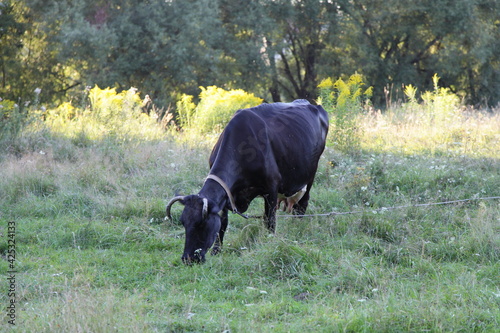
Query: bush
[215,109]
[345,101]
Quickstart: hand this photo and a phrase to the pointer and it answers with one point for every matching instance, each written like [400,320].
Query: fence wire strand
[384,209]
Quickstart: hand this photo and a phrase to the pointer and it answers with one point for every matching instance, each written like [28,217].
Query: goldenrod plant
[345,101]
[109,114]
[215,108]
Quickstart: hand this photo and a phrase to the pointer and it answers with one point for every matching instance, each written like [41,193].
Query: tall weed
[433,123]
[11,119]
[345,102]
[441,105]
[214,110]
[110,115]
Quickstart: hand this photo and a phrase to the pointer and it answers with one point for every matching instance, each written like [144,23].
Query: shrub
[345,101]
[215,109]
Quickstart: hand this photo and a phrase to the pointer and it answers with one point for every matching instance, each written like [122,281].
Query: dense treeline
[276,49]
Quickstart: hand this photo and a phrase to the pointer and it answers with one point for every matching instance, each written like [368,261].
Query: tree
[11,31]
[471,58]
[305,27]
[276,49]
[286,44]
[400,42]
[162,47]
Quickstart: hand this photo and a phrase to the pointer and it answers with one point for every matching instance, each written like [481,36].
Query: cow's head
[202,225]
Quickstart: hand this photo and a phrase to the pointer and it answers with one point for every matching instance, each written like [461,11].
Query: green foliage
[214,110]
[345,101]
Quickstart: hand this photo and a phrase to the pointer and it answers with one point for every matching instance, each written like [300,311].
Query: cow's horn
[171,202]
[204,211]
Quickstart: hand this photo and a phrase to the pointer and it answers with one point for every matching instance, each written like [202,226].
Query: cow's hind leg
[300,207]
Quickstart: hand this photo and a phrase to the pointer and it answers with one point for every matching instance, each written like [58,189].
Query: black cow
[264,151]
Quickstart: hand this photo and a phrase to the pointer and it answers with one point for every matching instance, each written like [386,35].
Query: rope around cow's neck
[228,192]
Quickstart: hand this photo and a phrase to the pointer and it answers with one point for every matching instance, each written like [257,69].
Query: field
[93,253]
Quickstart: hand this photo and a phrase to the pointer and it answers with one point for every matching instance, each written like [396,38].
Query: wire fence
[383,209]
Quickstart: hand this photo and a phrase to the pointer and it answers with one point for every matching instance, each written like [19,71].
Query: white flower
[38,91]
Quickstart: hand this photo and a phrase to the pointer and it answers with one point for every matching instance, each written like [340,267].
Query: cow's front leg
[223,226]
[271,201]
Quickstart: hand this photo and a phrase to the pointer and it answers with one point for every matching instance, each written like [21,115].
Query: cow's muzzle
[196,258]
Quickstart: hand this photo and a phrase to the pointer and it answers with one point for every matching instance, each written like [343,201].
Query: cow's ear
[214,209]
[211,208]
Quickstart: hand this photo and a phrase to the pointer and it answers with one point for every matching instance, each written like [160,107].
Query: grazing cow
[264,151]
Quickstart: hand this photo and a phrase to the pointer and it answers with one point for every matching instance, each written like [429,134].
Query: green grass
[94,254]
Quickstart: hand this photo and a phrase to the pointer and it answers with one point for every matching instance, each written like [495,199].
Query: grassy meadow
[95,255]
